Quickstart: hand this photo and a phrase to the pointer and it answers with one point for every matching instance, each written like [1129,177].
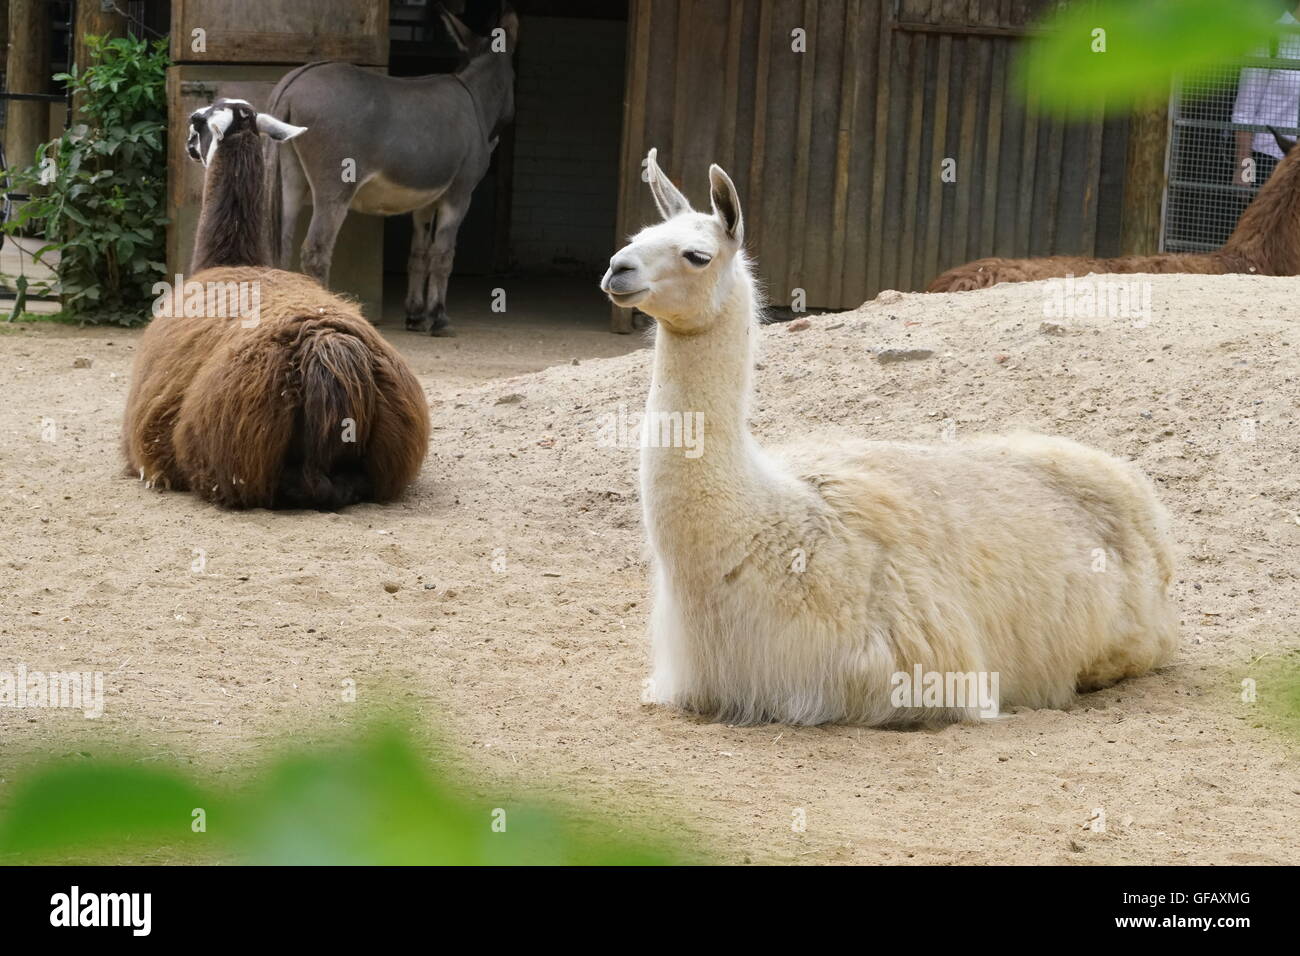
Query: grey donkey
[387,145]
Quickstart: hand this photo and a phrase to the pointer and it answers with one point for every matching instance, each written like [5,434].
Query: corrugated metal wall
[837,151]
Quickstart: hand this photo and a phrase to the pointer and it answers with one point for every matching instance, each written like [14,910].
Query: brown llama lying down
[1265,242]
[295,403]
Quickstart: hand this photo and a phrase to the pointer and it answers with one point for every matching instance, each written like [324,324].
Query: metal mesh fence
[1221,148]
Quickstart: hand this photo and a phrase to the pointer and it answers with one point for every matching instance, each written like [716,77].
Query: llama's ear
[726,204]
[278,130]
[218,121]
[668,197]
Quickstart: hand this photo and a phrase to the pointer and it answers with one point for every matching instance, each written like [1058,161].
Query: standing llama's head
[683,270]
[228,118]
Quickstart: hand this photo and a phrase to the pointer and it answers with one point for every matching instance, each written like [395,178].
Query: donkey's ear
[1284,143]
[508,20]
[668,197]
[464,38]
[726,204]
[276,129]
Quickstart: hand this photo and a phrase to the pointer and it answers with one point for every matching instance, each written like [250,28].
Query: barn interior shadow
[543,219]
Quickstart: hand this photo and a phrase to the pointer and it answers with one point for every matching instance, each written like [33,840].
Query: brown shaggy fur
[255,417]
[1265,242]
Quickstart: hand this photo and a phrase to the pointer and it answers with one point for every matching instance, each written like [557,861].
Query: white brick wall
[568,122]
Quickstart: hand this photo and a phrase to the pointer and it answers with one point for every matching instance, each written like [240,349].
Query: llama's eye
[697,258]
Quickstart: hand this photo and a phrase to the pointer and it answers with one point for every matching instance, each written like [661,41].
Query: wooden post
[91,20]
[638,50]
[4,33]
[28,72]
[1144,179]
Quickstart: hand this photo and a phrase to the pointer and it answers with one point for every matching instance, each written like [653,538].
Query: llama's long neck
[1268,233]
[710,479]
[232,223]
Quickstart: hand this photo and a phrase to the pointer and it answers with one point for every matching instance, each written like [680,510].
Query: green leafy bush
[367,800]
[99,190]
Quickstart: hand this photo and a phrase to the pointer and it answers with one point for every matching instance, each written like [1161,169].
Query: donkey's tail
[273,187]
[325,467]
[274,182]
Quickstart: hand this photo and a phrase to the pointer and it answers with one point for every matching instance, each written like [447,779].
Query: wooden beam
[28,72]
[939,151]
[879,163]
[912,105]
[1092,182]
[844,130]
[795,243]
[237,31]
[968,29]
[1028,167]
[4,33]
[967,140]
[91,20]
[731,86]
[629,174]
[1144,179]
[758,143]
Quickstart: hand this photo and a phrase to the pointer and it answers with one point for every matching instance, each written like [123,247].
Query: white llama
[797,589]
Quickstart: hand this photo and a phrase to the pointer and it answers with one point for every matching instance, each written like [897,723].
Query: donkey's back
[403,141]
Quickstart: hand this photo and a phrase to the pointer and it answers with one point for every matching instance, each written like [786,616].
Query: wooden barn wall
[281,31]
[837,151]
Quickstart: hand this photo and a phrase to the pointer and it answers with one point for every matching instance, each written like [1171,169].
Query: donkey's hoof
[415,323]
[438,325]
[443,331]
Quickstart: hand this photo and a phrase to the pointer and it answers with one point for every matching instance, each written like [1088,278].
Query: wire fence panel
[1222,148]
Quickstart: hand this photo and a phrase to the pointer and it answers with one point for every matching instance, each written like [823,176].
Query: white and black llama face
[211,124]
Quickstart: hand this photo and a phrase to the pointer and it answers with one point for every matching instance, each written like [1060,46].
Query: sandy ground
[505,596]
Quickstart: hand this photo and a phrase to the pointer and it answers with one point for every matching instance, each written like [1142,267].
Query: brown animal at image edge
[305,405]
[1265,242]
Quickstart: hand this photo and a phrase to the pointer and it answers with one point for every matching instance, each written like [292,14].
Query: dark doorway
[548,204]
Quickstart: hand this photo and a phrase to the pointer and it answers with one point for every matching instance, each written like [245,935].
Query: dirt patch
[506,593]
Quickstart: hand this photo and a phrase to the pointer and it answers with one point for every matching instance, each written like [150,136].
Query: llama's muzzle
[623,282]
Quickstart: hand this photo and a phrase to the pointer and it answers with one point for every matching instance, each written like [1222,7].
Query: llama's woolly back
[1037,559]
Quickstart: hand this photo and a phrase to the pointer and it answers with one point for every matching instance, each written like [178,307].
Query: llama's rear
[294,402]
[338,386]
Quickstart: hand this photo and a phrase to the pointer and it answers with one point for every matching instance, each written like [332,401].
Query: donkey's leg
[417,266]
[329,207]
[450,214]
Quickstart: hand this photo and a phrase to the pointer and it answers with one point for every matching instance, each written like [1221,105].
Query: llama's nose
[621,275]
